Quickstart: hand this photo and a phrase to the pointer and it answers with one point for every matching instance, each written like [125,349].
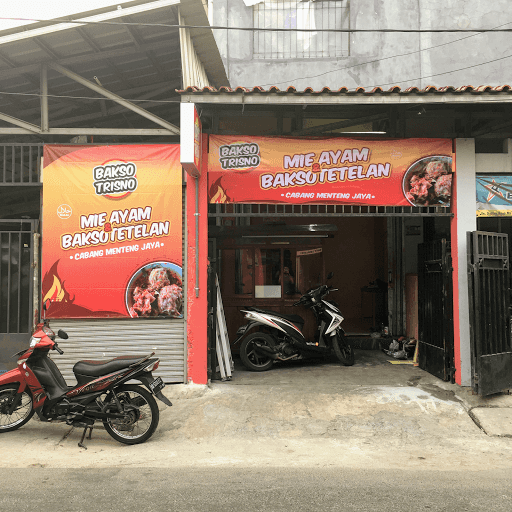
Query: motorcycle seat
[295,319]
[99,368]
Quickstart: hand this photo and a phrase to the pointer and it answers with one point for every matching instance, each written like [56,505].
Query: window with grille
[311,16]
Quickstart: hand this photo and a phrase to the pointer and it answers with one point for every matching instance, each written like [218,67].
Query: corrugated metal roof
[107,13]
[137,60]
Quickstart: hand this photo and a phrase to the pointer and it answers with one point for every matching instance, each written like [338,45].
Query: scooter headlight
[48,331]
[34,341]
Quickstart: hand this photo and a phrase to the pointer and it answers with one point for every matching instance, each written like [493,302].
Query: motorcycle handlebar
[319,292]
[56,347]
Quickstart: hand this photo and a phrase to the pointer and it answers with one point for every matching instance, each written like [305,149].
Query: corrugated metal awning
[448,112]
[343,95]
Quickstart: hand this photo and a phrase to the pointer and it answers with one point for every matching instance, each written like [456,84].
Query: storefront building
[270,188]
[286,189]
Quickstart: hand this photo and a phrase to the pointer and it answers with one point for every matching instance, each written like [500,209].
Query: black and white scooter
[279,337]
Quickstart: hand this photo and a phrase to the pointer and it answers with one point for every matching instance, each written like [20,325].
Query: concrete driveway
[294,415]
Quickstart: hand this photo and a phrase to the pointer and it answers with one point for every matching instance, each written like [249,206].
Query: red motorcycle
[128,411]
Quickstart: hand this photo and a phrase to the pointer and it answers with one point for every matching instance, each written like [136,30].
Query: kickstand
[81,443]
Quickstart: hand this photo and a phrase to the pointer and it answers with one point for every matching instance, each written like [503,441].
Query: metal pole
[45,124]
[35,277]
[196,214]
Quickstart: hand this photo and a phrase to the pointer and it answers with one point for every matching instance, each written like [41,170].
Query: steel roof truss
[27,127]
[150,132]
[114,97]
[119,109]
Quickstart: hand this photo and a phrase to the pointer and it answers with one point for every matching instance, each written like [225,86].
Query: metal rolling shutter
[106,339]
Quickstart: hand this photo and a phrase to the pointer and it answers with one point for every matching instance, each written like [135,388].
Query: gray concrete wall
[382,59]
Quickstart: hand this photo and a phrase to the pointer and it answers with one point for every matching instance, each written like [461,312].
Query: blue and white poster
[493,195]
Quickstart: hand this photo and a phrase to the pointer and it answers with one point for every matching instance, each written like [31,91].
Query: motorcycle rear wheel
[254,360]
[142,419]
[20,415]
[343,350]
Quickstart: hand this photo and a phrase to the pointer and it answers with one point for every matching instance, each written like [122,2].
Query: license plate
[241,329]
[157,385]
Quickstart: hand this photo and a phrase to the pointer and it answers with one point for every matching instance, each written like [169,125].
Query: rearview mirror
[330,275]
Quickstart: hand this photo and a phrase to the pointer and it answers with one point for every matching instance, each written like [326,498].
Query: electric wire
[101,98]
[381,60]
[256,29]
[497,29]
[439,74]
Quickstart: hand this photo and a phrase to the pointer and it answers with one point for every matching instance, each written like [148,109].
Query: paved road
[254,489]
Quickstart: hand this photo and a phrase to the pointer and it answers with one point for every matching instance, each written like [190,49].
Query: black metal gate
[489,302]
[213,373]
[435,297]
[16,294]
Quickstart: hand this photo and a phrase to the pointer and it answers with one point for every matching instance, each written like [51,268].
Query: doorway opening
[268,261]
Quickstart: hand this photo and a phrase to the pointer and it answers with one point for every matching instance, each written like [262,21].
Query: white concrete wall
[465,221]
[495,163]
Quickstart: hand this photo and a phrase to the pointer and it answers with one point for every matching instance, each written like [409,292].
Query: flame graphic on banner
[56,292]
[219,196]
[53,286]
[217,193]
[63,305]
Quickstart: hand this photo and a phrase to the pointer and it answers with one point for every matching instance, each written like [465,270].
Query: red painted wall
[197,307]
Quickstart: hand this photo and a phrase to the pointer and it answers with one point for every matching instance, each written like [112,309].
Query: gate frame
[19,336]
[491,369]
[436,356]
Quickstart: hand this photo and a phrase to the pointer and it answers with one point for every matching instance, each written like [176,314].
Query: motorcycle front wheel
[23,412]
[141,419]
[343,350]
[252,358]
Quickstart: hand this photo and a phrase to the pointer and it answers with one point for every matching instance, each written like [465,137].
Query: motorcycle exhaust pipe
[294,356]
[273,354]
[267,350]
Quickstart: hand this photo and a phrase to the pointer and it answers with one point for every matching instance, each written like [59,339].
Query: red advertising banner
[112,231]
[398,172]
